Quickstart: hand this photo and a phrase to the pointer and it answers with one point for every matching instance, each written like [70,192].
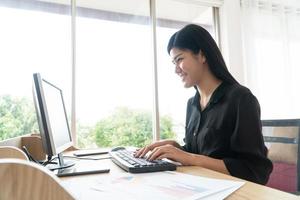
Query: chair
[12,152]
[282,139]
[26,180]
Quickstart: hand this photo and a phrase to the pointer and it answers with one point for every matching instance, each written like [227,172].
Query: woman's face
[189,66]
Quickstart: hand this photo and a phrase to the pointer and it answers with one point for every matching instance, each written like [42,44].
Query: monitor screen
[52,117]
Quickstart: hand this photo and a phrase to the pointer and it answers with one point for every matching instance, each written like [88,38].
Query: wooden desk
[81,185]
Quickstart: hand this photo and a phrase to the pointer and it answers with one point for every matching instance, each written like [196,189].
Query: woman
[223,128]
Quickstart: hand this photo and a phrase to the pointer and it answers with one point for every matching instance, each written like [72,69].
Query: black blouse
[229,128]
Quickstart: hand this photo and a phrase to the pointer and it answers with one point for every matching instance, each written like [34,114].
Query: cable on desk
[87,158]
[49,161]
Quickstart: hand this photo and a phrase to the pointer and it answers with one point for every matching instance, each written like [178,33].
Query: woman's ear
[201,57]
[204,59]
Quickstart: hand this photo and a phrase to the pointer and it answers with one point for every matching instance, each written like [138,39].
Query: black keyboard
[125,159]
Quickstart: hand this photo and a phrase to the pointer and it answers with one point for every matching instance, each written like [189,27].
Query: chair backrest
[282,139]
[12,152]
[26,180]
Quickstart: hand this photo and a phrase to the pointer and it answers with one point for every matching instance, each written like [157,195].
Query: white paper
[164,185]
[223,194]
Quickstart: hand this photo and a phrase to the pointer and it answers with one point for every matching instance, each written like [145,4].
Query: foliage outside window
[17,117]
[124,127]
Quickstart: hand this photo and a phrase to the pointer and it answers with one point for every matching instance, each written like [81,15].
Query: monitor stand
[64,168]
[61,163]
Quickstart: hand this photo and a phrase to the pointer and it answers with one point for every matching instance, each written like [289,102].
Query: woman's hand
[186,158]
[170,152]
[164,149]
[143,151]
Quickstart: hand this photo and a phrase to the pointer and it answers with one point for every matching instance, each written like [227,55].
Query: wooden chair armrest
[12,152]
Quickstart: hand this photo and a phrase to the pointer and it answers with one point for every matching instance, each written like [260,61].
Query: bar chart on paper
[164,185]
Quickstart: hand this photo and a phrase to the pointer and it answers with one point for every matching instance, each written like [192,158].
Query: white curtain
[271,43]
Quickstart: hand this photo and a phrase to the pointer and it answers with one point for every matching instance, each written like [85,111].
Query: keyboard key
[126,160]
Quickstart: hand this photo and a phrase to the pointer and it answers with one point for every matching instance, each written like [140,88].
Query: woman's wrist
[170,142]
[193,159]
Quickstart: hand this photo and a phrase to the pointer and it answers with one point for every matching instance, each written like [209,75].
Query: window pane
[114,73]
[173,97]
[34,37]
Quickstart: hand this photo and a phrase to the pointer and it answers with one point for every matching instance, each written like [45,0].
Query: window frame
[109,15]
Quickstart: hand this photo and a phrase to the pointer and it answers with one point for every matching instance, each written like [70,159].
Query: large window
[114,81]
[114,76]
[34,37]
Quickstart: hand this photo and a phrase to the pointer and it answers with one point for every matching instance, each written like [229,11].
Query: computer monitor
[54,128]
[52,119]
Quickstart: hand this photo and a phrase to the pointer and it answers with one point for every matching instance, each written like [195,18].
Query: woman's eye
[178,60]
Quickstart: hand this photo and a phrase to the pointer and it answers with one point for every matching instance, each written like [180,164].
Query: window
[35,37]
[114,81]
[114,66]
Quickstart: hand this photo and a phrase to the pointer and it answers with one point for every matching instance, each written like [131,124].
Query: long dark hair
[195,38]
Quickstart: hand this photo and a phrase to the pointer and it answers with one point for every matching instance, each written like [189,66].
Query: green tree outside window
[127,127]
[17,117]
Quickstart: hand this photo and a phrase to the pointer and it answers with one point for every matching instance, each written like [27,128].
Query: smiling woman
[223,128]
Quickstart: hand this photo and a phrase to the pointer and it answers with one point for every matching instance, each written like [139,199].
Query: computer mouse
[117,148]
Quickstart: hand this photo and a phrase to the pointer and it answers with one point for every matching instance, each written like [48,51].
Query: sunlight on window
[114,64]
[114,78]
[31,41]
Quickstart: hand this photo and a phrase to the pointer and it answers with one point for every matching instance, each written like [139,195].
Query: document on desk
[164,185]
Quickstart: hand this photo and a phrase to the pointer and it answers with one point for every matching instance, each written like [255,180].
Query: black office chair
[282,139]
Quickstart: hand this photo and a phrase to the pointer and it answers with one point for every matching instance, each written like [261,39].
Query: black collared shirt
[229,128]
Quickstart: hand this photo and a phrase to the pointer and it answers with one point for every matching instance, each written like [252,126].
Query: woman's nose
[177,69]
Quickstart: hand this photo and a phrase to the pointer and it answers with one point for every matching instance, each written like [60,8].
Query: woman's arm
[209,163]
[250,160]
[185,158]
